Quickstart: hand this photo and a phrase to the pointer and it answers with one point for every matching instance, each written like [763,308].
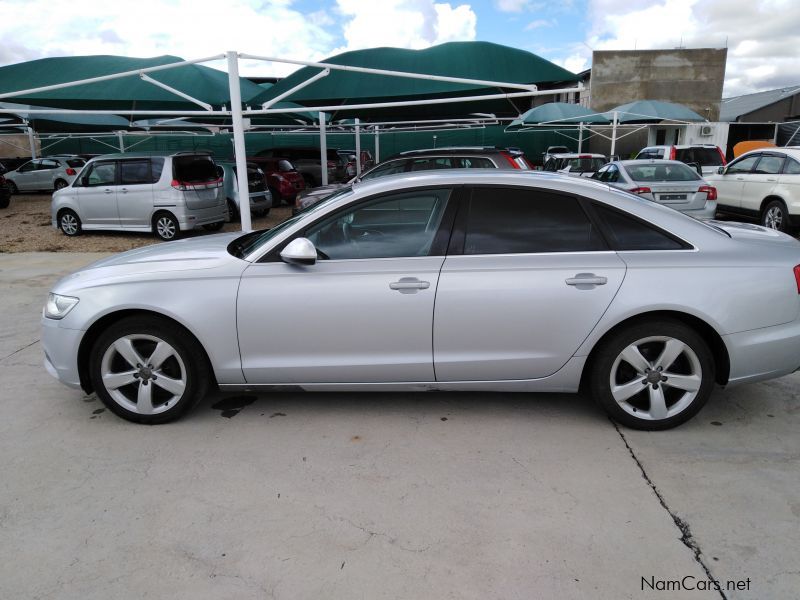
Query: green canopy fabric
[557,113]
[472,60]
[127,93]
[64,123]
[652,111]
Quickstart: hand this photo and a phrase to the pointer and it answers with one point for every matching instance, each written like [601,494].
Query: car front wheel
[69,223]
[148,370]
[653,375]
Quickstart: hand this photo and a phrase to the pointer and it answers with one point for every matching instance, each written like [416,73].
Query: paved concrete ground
[381,495]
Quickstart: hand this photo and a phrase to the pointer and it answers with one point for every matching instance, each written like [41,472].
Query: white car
[707,157]
[45,174]
[763,184]
[576,164]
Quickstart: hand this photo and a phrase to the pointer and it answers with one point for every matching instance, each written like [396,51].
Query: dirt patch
[25,227]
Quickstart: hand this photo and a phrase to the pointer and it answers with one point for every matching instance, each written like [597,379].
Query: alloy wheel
[165,227]
[773,218]
[143,374]
[656,378]
[69,224]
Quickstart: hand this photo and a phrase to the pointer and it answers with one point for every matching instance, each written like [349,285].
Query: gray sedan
[449,280]
[668,182]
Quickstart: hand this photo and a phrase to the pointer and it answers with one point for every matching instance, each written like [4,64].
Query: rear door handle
[771,179]
[409,285]
[124,190]
[586,281]
[107,191]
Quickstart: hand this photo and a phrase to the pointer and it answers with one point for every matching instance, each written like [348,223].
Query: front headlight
[58,306]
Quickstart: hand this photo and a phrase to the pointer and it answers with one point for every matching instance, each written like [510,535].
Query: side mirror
[300,251]
[720,170]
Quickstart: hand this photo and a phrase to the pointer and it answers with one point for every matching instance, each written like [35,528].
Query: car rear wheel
[775,216]
[166,227]
[148,370]
[59,184]
[233,212]
[12,187]
[653,375]
[69,223]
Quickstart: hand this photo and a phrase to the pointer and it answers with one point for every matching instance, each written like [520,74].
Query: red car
[283,180]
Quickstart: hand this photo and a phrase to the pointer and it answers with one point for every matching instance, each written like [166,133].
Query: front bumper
[60,347]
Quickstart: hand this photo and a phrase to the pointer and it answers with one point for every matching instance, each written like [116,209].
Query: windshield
[284,166]
[669,172]
[251,242]
[706,157]
[585,165]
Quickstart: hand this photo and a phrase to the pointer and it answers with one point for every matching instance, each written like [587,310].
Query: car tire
[69,223]
[59,184]
[641,388]
[165,227]
[233,212]
[276,197]
[214,226]
[775,216]
[171,377]
[5,201]
[12,187]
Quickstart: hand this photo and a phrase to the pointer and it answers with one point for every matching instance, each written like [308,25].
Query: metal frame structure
[238,115]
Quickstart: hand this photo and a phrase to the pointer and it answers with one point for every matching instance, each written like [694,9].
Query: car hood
[172,260]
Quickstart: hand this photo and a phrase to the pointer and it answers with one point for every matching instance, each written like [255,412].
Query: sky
[762,36]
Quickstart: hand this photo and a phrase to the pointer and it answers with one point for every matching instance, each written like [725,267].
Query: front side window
[524,221]
[134,172]
[744,165]
[400,225]
[28,166]
[101,173]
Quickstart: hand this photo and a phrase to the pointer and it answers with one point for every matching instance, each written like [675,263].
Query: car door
[363,312]
[761,181]
[27,177]
[789,183]
[730,182]
[47,173]
[135,193]
[97,195]
[527,278]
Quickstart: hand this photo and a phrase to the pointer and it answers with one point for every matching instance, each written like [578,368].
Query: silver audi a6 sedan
[446,280]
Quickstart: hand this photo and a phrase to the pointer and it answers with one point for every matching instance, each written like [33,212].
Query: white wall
[718,137]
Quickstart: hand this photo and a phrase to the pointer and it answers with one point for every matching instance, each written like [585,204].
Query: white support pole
[323,149]
[238,140]
[358,147]
[172,90]
[377,145]
[121,141]
[613,135]
[580,137]
[32,142]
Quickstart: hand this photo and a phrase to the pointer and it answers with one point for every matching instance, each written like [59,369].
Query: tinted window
[195,168]
[101,173]
[520,221]
[157,166]
[584,165]
[29,166]
[427,164]
[769,165]
[744,165]
[550,165]
[792,167]
[662,172]
[474,162]
[387,227]
[631,234]
[645,154]
[48,164]
[134,172]
[75,162]
[707,157]
[395,166]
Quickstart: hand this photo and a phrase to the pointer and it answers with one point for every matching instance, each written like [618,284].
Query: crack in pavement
[20,350]
[686,534]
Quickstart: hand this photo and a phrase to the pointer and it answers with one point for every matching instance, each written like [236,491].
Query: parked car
[260,196]
[346,167]
[165,194]
[668,182]
[573,163]
[5,193]
[763,185]
[553,150]
[644,305]
[307,161]
[283,180]
[10,164]
[45,174]
[707,156]
[425,160]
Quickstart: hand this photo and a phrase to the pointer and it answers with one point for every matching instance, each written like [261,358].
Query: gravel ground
[25,227]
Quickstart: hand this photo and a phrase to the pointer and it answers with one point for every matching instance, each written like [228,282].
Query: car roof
[651,161]
[576,155]
[453,150]
[145,154]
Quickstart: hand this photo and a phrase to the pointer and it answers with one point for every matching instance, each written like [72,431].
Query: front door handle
[586,281]
[107,191]
[124,190]
[409,285]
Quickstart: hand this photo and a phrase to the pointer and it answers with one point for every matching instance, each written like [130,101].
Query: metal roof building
[771,106]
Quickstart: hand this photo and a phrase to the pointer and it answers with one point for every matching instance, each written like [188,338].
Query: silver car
[668,182]
[260,196]
[165,194]
[45,174]
[450,280]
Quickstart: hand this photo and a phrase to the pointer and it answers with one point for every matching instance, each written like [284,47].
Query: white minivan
[162,193]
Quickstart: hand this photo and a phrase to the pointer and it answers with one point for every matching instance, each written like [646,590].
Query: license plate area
[672,197]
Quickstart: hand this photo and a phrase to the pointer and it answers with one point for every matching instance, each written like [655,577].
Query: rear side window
[473,162]
[631,234]
[524,221]
[792,167]
[134,172]
[196,168]
[769,165]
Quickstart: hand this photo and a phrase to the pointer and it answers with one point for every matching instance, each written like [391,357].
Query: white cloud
[512,6]
[540,23]
[187,28]
[404,23]
[762,37]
